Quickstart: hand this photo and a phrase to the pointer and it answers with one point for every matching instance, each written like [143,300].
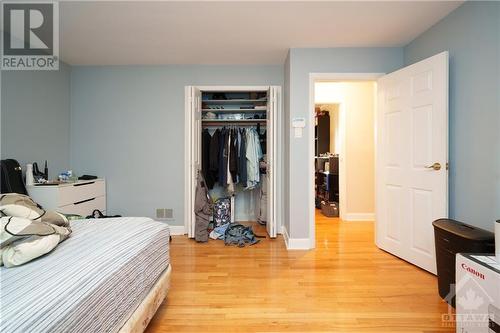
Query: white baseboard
[295,243]
[358,217]
[176,230]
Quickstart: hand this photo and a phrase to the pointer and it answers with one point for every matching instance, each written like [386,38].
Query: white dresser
[79,198]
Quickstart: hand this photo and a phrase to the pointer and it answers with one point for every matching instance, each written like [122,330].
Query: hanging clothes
[261,203]
[262,139]
[223,157]
[230,152]
[242,163]
[203,209]
[230,157]
[253,154]
[206,139]
[213,164]
[233,156]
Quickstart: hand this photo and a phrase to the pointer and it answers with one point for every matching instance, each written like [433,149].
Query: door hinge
[447,165]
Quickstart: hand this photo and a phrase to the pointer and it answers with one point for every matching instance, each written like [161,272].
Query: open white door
[193,152]
[274,104]
[412,159]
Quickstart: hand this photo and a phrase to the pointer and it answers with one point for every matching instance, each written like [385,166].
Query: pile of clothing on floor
[232,156]
[220,213]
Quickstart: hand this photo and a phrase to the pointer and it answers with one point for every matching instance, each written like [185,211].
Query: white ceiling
[254,32]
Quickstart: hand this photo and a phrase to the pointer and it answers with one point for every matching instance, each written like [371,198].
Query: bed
[111,275]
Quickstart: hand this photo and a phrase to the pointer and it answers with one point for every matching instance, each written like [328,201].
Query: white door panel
[412,135]
[274,105]
[193,150]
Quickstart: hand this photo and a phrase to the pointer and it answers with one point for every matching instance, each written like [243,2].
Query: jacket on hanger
[262,139]
[205,159]
[223,158]
[242,164]
[253,154]
[233,156]
[214,154]
[203,209]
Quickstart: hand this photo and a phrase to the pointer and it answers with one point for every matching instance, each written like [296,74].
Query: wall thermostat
[298,124]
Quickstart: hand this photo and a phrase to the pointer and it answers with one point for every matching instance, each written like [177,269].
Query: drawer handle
[80,202]
[82,184]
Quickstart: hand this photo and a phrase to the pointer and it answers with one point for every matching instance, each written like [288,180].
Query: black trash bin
[454,237]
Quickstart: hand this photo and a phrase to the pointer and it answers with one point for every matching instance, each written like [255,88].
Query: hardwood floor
[345,285]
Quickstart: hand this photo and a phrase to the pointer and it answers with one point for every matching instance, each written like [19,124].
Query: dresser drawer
[81,191]
[86,207]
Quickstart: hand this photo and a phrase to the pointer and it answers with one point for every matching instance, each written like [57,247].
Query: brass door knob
[436,166]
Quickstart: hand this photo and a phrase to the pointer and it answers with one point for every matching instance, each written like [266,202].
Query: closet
[214,112]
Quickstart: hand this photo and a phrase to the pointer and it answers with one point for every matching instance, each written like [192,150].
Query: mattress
[92,282]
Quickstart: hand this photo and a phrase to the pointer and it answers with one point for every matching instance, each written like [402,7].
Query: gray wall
[303,62]
[471,35]
[35,117]
[127,125]
[286,143]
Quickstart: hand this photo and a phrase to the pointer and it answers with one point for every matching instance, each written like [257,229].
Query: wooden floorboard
[345,285]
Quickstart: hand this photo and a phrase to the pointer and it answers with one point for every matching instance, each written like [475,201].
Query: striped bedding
[92,282]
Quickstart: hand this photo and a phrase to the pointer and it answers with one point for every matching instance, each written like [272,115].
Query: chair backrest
[11,177]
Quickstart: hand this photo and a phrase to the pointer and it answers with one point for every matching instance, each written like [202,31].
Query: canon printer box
[477,294]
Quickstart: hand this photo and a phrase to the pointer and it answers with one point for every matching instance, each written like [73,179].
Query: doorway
[345,149]
[411,156]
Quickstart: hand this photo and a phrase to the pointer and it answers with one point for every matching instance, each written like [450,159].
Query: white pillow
[22,240]
[20,205]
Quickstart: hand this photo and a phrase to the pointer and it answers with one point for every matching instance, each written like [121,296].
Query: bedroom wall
[127,125]
[302,63]
[471,34]
[35,117]
[286,143]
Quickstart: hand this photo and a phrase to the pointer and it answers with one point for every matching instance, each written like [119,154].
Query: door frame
[333,77]
[188,142]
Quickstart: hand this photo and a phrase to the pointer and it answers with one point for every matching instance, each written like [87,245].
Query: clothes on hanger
[206,139]
[230,153]
[242,165]
[214,155]
[262,139]
[253,154]
[231,156]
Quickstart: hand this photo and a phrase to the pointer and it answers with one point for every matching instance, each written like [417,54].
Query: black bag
[11,177]
[97,214]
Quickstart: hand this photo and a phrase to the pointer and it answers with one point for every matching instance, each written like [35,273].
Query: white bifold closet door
[192,153]
[412,157]
[273,107]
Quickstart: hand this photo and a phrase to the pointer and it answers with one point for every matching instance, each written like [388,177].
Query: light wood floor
[345,285]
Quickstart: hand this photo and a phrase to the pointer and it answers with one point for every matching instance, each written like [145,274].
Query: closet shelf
[233,121]
[233,100]
[234,110]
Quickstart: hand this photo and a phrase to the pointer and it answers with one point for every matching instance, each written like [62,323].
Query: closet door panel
[274,103]
[192,151]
